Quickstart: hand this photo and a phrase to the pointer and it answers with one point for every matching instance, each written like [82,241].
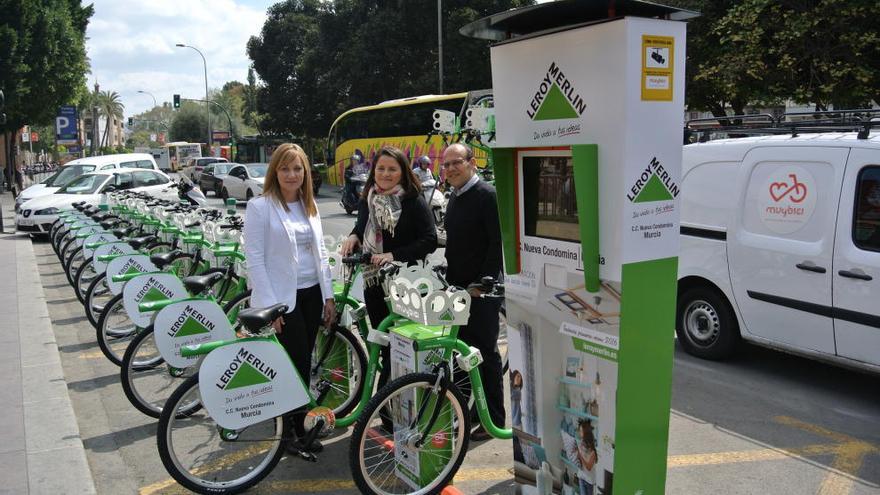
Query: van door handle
[811,267]
[855,273]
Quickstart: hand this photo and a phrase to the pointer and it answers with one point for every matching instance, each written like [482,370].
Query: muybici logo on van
[190,322]
[787,199]
[556,98]
[654,183]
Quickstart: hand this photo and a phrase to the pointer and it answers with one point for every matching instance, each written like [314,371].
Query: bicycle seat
[139,242]
[124,232]
[161,260]
[256,318]
[196,284]
[109,224]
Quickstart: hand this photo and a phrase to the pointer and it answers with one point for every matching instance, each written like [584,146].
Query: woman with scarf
[394,224]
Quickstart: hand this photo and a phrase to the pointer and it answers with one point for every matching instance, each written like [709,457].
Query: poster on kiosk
[587,166]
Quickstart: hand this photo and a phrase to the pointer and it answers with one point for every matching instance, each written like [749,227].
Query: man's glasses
[453,163]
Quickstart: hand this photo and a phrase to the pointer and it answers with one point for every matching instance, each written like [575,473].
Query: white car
[38,214]
[75,168]
[244,182]
[195,166]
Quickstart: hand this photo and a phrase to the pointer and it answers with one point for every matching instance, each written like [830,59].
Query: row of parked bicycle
[164,285]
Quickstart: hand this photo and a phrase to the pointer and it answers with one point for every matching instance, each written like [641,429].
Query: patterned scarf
[385,210]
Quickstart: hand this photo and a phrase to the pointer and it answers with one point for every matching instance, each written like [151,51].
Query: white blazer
[270,251]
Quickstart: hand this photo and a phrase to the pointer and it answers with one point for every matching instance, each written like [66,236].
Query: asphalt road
[763,423]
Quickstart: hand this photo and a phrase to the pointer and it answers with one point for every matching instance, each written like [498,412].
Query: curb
[56,458]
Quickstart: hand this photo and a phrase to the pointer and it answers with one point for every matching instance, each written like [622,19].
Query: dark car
[211,178]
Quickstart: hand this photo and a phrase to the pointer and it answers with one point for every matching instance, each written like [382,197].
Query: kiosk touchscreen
[588,110]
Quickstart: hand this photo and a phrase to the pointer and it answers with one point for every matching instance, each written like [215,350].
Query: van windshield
[67,174]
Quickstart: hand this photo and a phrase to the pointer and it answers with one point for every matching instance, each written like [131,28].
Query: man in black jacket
[473,251]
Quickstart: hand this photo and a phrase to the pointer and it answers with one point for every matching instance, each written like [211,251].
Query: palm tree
[111,107]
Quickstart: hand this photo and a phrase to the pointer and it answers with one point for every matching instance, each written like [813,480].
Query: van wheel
[248,195]
[705,324]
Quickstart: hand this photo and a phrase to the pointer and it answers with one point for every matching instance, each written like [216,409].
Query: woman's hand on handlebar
[278,324]
[350,245]
[382,258]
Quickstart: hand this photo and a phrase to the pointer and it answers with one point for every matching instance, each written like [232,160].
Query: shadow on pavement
[94,383]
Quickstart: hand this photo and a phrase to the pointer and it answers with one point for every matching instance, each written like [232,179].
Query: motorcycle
[188,191]
[352,190]
[437,201]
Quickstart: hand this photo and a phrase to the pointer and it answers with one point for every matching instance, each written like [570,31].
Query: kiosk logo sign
[190,322]
[555,98]
[245,370]
[653,184]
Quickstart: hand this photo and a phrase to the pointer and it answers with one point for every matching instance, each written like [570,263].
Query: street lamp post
[207,107]
[151,95]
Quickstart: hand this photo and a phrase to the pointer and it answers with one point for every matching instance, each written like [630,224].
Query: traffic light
[130,121]
[176,101]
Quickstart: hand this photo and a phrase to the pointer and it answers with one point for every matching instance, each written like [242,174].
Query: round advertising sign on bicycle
[787,200]
[245,383]
[189,322]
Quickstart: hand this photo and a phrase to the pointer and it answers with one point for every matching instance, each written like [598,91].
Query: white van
[74,168]
[780,246]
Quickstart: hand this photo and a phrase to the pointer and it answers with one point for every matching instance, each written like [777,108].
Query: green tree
[42,59]
[748,53]
[189,124]
[320,58]
[823,52]
[112,109]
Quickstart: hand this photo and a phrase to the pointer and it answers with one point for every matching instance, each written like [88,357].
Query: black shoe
[296,446]
[480,434]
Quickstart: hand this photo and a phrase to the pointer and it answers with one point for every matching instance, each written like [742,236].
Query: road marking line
[849,455]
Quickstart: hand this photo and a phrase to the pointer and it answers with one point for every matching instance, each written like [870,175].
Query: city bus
[178,154]
[404,123]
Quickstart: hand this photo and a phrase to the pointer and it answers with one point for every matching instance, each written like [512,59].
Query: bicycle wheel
[98,296]
[197,454]
[115,331]
[146,378]
[393,462]
[74,260]
[84,277]
[338,360]
[63,251]
[238,303]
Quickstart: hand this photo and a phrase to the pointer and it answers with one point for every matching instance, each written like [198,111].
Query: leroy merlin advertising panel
[588,171]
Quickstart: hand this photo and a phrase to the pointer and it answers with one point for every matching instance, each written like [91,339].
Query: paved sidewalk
[40,446]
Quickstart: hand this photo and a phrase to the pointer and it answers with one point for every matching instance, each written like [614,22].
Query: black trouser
[377,309]
[482,332]
[298,334]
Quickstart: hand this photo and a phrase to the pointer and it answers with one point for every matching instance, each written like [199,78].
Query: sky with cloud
[131,46]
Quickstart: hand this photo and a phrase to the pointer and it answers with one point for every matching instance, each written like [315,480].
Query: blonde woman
[287,261]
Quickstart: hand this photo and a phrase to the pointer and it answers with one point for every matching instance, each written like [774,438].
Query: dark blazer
[415,236]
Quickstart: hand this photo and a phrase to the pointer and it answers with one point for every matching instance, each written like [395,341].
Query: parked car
[76,168]
[211,178]
[243,182]
[780,246]
[194,166]
[38,214]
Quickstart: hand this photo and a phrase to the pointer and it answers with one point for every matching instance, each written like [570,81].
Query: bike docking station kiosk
[589,102]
